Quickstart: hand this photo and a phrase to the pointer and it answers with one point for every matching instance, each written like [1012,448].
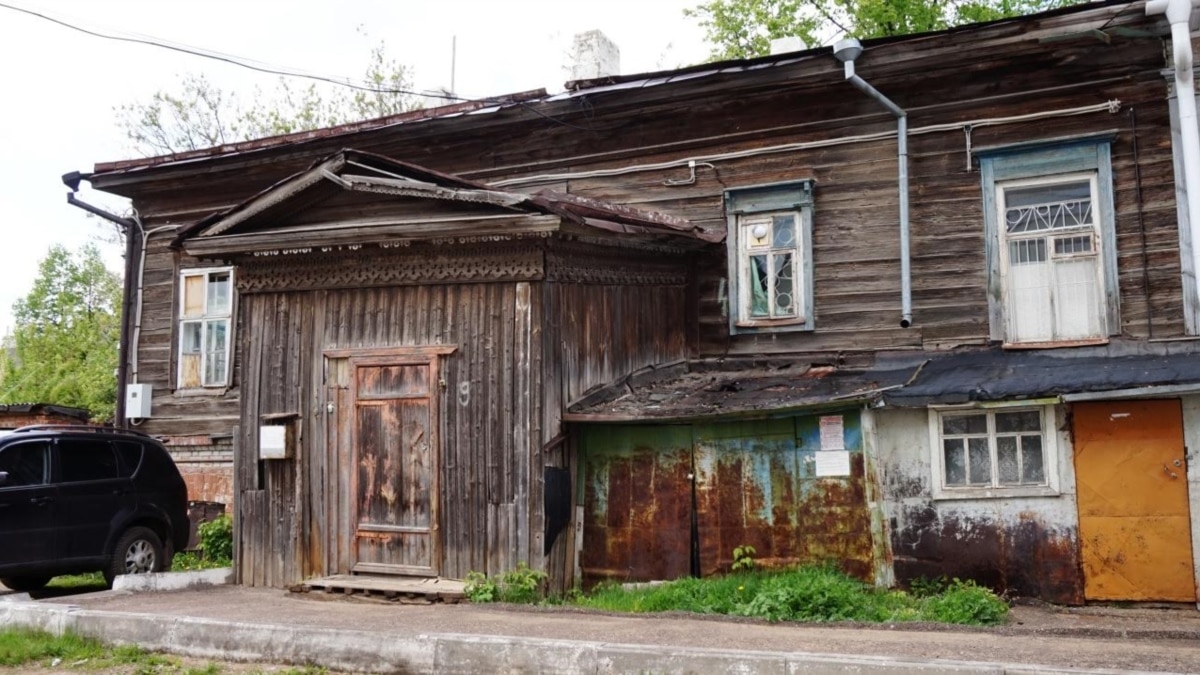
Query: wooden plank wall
[593,335]
[174,414]
[297,513]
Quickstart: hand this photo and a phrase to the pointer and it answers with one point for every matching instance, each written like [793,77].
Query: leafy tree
[744,28]
[200,114]
[63,347]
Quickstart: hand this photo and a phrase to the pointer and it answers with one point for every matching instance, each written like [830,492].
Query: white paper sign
[833,463]
[832,433]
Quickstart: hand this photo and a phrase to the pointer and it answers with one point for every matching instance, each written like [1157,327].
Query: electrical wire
[284,71]
[231,59]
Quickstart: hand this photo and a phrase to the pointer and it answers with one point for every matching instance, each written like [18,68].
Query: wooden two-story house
[919,306]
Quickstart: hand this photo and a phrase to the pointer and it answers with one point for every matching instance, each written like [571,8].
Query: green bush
[966,602]
[521,585]
[811,594]
[216,539]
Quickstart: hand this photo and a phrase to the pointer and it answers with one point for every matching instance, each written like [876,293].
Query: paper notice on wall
[832,433]
[833,463]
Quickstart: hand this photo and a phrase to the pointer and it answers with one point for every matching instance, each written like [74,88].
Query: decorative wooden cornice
[508,260]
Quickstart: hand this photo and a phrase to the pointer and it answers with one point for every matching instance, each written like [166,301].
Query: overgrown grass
[80,582]
[24,649]
[183,562]
[190,562]
[808,594]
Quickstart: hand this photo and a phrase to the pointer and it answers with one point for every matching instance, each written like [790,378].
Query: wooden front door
[1131,475]
[395,464]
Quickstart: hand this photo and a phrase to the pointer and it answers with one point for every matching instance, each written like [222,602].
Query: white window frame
[759,205]
[1096,254]
[1051,444]
[205,319]
[1046,161]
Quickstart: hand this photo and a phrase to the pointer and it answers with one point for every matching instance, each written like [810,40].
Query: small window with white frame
[994,452]
[770,257]
[205,323]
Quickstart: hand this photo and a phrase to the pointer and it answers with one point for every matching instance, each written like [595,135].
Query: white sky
[59,88]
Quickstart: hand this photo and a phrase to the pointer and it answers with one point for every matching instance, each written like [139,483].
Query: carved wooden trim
[491,261]
[575,262]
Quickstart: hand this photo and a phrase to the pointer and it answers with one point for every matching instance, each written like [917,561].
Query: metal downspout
[128,225]
[1179,14]
[846,51]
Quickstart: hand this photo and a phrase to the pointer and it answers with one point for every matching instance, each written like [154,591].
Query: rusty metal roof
[690,390]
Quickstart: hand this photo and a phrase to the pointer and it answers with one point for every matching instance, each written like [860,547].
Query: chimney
[595,56]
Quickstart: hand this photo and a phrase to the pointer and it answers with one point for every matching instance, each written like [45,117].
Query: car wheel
[28,583]
[138,551]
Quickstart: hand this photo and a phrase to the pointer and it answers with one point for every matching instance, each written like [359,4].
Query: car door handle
[40,501]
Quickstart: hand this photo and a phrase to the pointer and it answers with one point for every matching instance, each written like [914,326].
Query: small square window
[985,453]
[770,258]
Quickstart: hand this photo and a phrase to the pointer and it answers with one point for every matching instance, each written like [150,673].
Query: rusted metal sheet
[665,501]
[1023,556]
[757,485]
[1134,529]
[637,493]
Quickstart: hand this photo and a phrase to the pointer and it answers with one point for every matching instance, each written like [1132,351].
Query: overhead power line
[239,61]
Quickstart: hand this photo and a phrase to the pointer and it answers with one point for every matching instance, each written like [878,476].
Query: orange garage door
[1133,501]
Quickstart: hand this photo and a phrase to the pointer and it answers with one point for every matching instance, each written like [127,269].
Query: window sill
[951,494]
[770,323]
[205,391]
[1086,342]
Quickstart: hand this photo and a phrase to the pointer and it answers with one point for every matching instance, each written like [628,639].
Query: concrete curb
[455,653]
[173,581]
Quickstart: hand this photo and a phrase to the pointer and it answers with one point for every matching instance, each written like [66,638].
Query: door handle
[40,501]
[1170,473]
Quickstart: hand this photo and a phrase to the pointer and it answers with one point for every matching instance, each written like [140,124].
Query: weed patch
[521,585]
[807,594]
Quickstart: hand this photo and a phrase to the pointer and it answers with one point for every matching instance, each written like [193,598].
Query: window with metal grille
[206,306]
[1052,277]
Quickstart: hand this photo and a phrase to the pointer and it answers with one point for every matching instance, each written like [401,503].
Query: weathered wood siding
[211,413]
[296,514]
[594,335]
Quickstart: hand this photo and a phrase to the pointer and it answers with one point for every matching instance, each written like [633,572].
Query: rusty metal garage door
[666,501]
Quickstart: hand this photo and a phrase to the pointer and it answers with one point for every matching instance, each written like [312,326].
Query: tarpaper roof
[998,374]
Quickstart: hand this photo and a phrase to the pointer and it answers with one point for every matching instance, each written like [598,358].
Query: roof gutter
[1179,15]
[847,51]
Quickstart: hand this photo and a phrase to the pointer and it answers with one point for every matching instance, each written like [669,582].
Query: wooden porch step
[421,590]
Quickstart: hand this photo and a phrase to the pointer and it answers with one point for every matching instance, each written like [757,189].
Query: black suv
[78,499]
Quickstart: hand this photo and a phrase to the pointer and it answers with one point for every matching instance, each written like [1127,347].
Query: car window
[131,457]
[81,460]
[26,464]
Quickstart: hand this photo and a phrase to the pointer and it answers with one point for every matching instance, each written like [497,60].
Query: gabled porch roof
[446,206]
